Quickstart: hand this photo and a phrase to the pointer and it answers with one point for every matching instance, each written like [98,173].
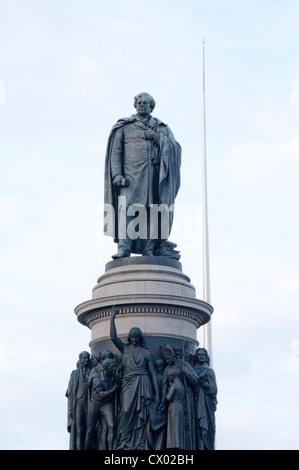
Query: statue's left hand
[117,180]
[151,135]
[162,407]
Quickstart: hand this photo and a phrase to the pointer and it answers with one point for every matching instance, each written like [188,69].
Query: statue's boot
[123,251]
[149,249]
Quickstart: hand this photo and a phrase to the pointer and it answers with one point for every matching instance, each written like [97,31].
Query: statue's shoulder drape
[169,172]
[110,191]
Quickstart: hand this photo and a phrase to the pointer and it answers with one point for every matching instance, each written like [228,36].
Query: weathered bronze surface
[133,401]
[142,176]
[152,391]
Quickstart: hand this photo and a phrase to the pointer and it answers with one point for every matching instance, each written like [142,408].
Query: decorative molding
[124,337]
[144,310]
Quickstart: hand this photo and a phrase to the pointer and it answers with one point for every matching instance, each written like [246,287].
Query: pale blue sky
[70,69]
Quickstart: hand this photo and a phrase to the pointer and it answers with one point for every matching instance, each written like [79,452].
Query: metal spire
[206,261]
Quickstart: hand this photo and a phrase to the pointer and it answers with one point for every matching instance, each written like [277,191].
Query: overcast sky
[68,70]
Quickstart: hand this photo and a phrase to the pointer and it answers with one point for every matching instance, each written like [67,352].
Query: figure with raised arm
[139,388]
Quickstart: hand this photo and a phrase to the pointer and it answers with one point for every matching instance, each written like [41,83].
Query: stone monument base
[151,293]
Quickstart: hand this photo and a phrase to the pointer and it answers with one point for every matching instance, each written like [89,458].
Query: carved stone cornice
[145,310]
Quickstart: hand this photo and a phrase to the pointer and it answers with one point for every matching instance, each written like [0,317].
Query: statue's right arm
[117,153]
[163,395]
[69,398]
[113,333]
[169,395]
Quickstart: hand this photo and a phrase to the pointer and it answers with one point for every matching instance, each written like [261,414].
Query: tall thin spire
[206,261]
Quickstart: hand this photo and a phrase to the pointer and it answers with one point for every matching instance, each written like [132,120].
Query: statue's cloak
[169,173]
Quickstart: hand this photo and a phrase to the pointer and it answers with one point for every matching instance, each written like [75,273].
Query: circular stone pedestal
[151,293]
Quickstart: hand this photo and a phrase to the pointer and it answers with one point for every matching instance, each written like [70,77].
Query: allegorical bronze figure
[133,402]
[189,380]
[103,385]
[149,392]
[206,400]
[175,417]
[142,179]
[77,395]
[139,388]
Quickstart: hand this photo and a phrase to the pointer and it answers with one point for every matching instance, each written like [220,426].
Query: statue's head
[108,364]
[178,352]
[201,355]
[107,355]
[135,337]
[172,374]
[95,358]
[84,358]
[160,365]
[144,104]
[189,357]
[168,354]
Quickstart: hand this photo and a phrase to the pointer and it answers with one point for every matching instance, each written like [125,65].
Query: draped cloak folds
[190,383]
[168,179]
[206,407]
[136,394]
[77,390]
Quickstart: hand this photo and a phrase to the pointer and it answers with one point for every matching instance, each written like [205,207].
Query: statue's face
[84,359]
[143,106]
[200,356]
[171,378]
[169,358]
[160,366]
[172,374]
[107,355]
[135,338]
[108,365]
[94,361]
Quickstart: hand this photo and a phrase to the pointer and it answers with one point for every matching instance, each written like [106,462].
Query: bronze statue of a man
[77,395]
[206,400]
[142,176]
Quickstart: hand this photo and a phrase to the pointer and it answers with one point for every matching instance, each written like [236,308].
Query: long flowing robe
[176,417]
[189,382]
[206,407]
[77,392]
[135,397]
